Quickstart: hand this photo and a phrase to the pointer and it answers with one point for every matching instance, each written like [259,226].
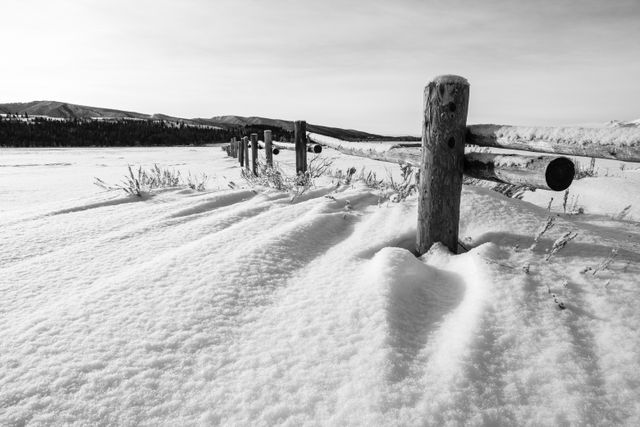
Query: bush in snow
[145,181]
[583,171]
[512,191]
[394,190]
[274,177]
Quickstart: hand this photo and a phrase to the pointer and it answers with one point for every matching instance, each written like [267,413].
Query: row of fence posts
[239,149]
[443,141]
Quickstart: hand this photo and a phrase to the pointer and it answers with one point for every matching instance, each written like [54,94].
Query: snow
[244,307]
[376,146]
[618,123]
[617,136]
[450,79]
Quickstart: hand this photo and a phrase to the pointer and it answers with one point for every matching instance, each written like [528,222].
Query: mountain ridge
[65,110]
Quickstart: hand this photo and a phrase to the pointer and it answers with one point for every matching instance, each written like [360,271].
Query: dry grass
[389,188]
[142,182]
[275,177]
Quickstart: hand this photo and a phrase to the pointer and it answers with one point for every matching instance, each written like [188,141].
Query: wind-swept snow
[243,307]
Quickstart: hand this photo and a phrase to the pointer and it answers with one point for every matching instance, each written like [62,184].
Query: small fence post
[446,102]
[241,152]
[245,142]
[300,134]
[254,153]
[234,147]
[268,148]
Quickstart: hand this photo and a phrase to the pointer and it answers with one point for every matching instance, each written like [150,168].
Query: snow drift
[242,307]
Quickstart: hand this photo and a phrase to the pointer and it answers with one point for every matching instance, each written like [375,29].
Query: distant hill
[347,134]
[63,110]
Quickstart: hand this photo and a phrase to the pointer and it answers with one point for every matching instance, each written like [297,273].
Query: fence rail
[621,143]
[540,172]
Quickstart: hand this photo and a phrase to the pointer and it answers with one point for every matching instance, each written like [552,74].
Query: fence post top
[450,79]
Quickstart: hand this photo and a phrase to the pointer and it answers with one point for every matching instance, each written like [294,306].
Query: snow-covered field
[240,307]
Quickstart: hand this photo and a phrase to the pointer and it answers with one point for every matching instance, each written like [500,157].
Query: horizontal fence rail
[540,172]
[619,143]
[311,148]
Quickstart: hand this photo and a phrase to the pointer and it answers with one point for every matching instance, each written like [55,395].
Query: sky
[352,64]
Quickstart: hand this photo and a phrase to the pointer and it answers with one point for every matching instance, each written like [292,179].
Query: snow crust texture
[617,136]
[242,307]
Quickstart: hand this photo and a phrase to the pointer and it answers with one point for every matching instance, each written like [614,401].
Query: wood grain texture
[446,102]
[268,147]
[543,172]
[254,153]
[300,135]
[241,144]
[245,148]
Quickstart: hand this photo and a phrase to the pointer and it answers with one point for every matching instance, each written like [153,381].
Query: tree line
[43,132]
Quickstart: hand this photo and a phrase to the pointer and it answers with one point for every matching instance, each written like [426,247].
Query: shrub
[143,181]
[395,191]
[583,171]
[276,178]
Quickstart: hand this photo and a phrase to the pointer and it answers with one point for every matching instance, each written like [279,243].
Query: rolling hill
[63,110]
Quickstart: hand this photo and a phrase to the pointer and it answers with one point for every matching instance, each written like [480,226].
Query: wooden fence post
[254,153]
[245,146]
[241,152]
[300,133]
[234,147]
[446,102]
[268,149]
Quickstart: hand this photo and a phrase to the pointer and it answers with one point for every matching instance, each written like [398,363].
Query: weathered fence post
[254,153]
[300,134]
[268,148]
[234,147]
[446,102]
[245,146]
[241,152]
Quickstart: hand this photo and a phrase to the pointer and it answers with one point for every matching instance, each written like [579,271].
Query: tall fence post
[245,146]
[254,153]
[300,134]
[268,148]
[446,102]
[241,152]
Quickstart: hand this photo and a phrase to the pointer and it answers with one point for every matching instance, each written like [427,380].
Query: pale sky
[353,64]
